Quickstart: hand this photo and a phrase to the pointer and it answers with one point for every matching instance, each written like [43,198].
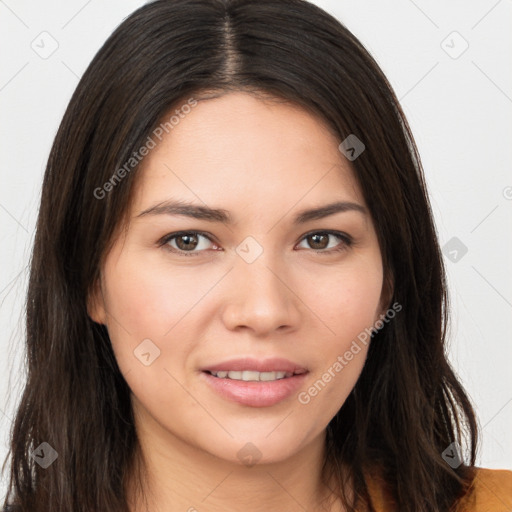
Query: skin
[263,162]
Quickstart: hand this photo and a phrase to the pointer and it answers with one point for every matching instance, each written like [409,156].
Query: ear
[96,304]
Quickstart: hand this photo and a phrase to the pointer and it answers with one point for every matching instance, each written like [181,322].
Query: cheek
[150,310]
[347,303]
[143,303]
[346,300]
[150,298]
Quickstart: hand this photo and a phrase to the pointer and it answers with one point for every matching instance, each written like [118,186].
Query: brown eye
[325,241]
[186,243]
[319,241]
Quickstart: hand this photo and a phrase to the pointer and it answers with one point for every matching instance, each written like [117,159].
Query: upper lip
[274,364]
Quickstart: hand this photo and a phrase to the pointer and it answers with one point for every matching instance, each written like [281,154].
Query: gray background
[458,101]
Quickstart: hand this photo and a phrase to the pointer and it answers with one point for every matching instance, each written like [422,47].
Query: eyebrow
[221,215]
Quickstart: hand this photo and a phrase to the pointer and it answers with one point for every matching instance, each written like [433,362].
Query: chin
[251,446]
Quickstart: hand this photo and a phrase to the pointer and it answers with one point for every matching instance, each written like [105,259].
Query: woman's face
[258,288]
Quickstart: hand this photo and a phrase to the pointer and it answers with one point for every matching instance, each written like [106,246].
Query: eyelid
[340,234]
[346,240]
[175,234]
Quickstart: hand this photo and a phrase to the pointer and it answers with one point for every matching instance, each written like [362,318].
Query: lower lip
[256,393]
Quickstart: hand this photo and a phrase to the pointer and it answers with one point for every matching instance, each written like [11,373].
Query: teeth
[249,375]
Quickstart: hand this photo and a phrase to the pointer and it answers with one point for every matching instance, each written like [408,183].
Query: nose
[260,297]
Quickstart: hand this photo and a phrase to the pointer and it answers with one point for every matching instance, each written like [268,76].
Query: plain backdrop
[450,65]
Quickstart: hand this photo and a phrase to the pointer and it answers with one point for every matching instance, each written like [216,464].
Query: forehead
[242,150]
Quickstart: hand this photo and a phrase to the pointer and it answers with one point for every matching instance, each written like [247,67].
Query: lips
[253,382]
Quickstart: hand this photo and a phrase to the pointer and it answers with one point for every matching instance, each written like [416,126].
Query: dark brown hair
[407,406]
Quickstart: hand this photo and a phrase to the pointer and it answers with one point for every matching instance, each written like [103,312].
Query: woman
[237,299]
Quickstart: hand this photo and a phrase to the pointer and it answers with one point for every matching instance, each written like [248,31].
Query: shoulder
[491,491]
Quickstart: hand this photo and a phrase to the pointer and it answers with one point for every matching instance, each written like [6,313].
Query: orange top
[492,492]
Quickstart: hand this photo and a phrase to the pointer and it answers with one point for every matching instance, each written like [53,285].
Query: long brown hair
[407,406]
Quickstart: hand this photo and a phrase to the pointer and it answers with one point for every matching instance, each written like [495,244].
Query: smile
[254,376]
[255,382]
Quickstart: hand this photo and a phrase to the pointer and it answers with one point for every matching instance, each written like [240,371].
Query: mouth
[255,383]
[255,376]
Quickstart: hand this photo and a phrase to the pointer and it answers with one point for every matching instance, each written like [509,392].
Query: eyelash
[346,240]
